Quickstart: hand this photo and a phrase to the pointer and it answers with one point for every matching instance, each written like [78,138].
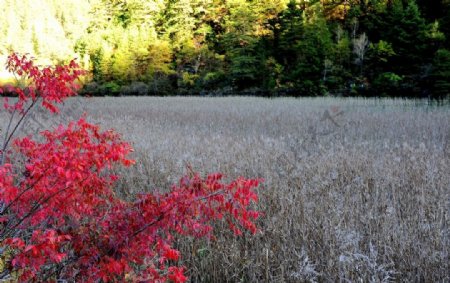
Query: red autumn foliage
[61,218]
[52,85]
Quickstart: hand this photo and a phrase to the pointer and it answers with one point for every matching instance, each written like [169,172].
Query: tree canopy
[281,47]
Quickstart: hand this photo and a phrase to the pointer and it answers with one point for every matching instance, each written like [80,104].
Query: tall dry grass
[355,190]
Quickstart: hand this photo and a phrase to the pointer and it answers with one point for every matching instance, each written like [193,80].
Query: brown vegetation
[354,189]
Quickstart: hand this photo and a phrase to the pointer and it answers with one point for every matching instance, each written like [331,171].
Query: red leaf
[67,187]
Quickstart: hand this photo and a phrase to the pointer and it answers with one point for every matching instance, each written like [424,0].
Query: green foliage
[241,45]
[193,46]
[274,73]
[381,51]
[135,89]
[290,31]
[379,58]
[213,80]
[441,73]
[313,49]
[405,30]
[109,88]
[434,33]
[386,83]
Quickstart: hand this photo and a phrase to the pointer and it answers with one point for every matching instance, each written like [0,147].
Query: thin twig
[6,136]
[5,144]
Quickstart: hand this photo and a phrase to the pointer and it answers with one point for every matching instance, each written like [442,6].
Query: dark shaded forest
[397,48]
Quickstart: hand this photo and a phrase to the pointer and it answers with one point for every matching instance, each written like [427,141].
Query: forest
[372,48]
[182,170]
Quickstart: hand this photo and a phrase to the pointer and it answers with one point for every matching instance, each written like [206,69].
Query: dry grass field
[355,190]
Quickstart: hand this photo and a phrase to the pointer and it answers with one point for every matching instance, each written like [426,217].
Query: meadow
[355,190]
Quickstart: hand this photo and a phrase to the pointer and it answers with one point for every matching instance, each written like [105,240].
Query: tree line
[254,47]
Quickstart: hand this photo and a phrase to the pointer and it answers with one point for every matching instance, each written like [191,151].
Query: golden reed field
[355,190]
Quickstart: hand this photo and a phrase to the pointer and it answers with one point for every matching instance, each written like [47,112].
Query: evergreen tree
[445,22]
[191,45]
[405,29]
[314,51]
[441,74]
[289,33]
[341,68]
[241,44]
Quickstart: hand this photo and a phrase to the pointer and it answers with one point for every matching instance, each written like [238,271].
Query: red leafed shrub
[59,217]
[49,85]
